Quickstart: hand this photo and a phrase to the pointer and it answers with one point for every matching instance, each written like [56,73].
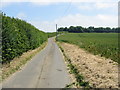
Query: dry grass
[98,71]
[77,80]
[18,62]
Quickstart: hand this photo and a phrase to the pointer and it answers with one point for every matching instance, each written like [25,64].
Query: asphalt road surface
[46,70]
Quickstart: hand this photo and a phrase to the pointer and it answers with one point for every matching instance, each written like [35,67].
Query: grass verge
[18,62]
[80,82]
[102,44]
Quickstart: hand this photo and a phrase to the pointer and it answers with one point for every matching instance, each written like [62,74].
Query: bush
[18,36]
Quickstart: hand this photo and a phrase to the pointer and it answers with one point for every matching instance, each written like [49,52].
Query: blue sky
[45,14]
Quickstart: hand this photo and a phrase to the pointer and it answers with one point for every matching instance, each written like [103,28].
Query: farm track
[46,70]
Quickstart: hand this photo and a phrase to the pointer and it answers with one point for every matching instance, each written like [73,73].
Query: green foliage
[79,78]
[18,36]
[51,34]
[91,29]
[104,44]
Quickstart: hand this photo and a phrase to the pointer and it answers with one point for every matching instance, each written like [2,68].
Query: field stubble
[98,71]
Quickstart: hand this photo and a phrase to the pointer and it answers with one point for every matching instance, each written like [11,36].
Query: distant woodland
[91,29]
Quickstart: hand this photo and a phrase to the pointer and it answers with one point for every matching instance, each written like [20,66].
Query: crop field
[103,44]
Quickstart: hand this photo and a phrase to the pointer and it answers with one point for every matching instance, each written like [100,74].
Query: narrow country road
[45,70]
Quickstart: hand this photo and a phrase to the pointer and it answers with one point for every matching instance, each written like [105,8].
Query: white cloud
[85,7]
[59,0]
[98,5]
[48,2]
[44,26]
[105,5]
[78,20]
[43,3]
[4,4]
[83,20]
[21,15]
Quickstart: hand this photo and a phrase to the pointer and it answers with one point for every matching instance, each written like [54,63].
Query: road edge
[21,62]
[77,78]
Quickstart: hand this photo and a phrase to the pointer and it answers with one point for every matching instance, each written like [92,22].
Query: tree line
[18,37]
[91,29]
[51,34]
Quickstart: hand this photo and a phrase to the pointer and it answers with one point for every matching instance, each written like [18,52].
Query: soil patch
[98,71]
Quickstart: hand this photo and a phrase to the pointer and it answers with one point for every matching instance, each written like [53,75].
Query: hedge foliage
[52,34]
[18,36]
